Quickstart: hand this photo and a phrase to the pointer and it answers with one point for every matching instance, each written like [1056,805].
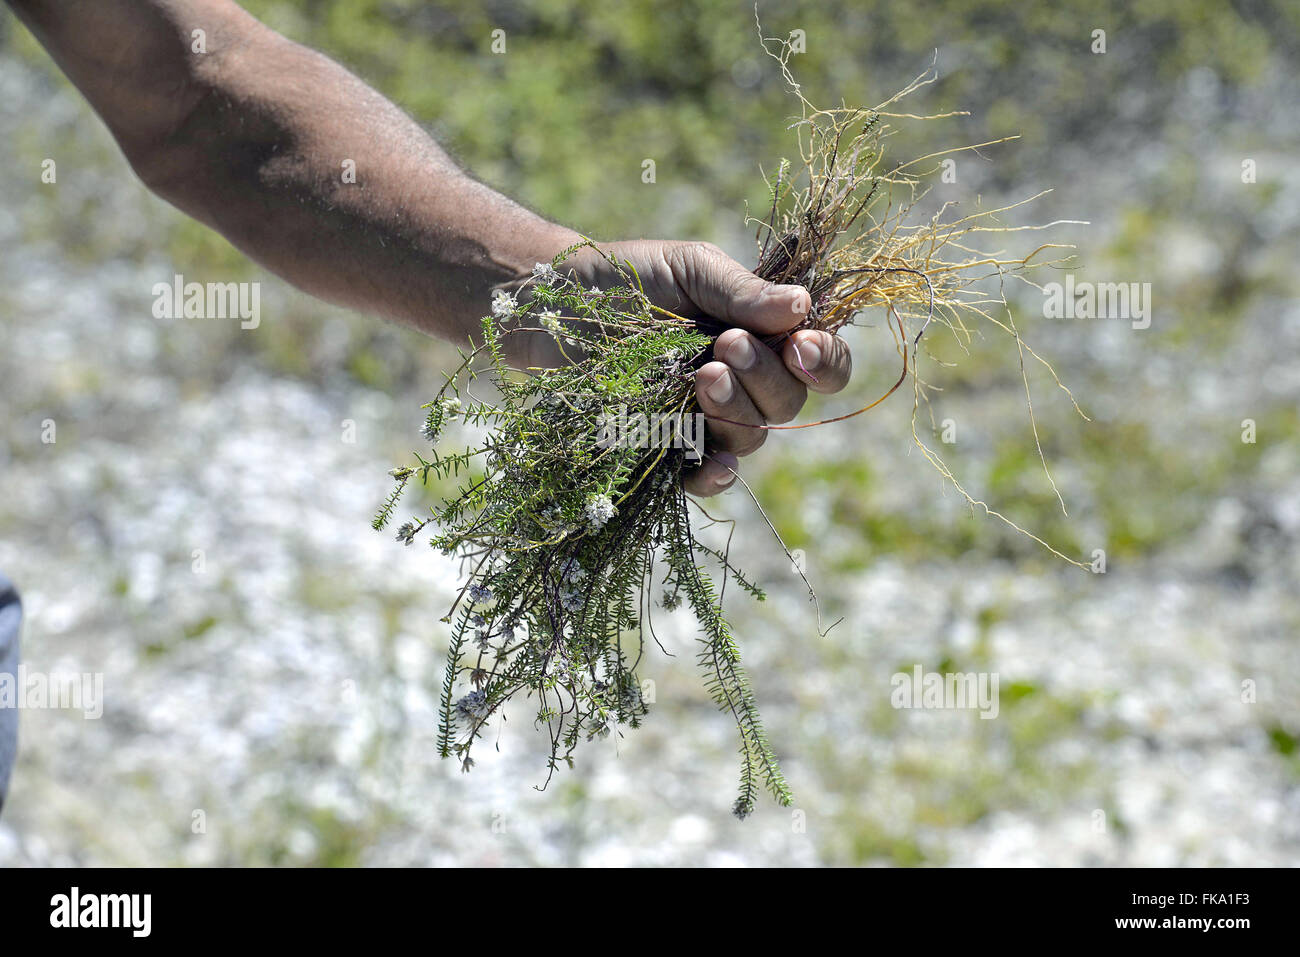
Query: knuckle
[692,254]
[693,484]
[740,282]
[723,437]
[750,445]
[682,257]
[789,406]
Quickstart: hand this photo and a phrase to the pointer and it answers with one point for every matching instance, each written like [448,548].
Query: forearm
[252,138]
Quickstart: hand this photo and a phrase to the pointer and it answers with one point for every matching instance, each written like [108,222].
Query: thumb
[726,290]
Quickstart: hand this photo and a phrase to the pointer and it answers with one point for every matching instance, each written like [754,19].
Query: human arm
[249,133]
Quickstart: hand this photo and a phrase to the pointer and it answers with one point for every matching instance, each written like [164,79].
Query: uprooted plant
[569,541]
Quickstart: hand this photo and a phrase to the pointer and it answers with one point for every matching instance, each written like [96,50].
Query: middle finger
[722,398]
[776,393]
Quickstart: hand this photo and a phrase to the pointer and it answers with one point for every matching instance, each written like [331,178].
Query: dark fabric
[11,616]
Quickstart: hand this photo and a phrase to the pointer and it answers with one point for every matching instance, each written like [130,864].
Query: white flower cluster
[473,706]
[571,591]
[503,304]
[482,633]
[550,321]
[545,272]
[599,510]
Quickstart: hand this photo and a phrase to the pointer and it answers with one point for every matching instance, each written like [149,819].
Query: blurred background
[199,532]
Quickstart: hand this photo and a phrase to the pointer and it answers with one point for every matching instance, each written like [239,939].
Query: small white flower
[503,304]
[480,593]
[474,705]
[571,599]
[599,510]
[672,360]
[572,573]
[406,534]
[545,272]
[550,321]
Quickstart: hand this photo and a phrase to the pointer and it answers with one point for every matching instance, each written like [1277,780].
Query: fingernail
[783,288]
[811,354]
[795,295]
[722,389]
[729,463]
[741,355]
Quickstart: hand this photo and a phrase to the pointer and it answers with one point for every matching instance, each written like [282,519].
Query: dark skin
[249,137]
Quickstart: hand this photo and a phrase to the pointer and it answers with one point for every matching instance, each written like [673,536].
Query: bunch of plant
[570,542]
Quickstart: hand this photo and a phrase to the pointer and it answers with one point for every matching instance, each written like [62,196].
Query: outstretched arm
[249,133]
[250,138]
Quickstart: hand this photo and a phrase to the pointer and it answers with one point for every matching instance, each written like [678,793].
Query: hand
[748,382]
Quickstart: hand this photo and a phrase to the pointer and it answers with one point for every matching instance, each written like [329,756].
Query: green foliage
[560,523]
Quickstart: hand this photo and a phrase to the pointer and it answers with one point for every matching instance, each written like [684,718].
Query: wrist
[541,242]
